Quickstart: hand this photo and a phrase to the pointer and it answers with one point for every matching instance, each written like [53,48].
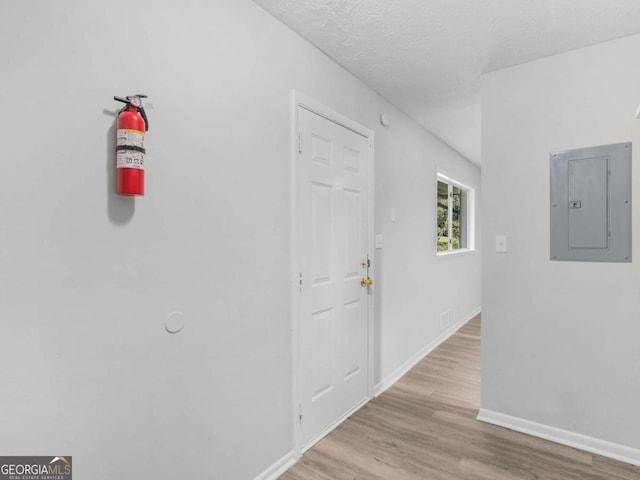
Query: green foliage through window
[443,216]
[452,217]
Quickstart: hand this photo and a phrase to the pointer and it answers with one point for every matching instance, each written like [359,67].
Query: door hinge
[300,280]
[299,143]
[300,412]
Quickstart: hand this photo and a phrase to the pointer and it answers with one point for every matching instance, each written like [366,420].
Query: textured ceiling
[426,56]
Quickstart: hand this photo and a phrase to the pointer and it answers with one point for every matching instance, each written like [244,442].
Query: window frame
[470,215]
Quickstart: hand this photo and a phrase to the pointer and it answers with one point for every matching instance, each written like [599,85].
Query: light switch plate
[501,243]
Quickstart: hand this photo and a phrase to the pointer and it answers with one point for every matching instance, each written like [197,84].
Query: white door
[333,238]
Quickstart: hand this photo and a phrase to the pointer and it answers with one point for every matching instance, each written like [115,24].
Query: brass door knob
[366,282]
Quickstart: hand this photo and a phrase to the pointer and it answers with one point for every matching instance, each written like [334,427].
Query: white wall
[416,285]
[559,339]
[87,278]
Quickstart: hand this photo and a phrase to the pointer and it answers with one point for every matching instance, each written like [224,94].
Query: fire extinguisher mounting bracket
[136,102]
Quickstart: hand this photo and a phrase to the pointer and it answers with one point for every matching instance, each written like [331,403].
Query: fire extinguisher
[132,125]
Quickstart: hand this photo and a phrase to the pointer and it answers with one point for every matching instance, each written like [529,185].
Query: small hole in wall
[174,322]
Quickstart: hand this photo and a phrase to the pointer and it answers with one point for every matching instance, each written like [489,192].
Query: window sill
[459,252]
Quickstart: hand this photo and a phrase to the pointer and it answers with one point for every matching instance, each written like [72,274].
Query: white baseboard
[278,468]
[399,372]
[563,437]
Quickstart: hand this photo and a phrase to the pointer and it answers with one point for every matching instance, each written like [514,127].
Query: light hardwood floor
[424,427]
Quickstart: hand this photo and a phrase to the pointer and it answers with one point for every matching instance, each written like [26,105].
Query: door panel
[353,231]
[333,228]
[322,338]
[321,232]
[352,160]
[353,335]
[321,149]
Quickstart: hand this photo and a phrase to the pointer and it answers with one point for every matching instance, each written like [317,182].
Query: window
[454,205]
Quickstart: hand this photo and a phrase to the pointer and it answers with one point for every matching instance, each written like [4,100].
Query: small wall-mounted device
[591,204]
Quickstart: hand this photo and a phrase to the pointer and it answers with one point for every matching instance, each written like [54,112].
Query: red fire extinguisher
[132,125]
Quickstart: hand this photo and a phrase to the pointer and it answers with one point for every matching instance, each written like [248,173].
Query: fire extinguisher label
[130,159]
[130,138]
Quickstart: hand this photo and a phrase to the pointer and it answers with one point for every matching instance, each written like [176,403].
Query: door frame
[300,100]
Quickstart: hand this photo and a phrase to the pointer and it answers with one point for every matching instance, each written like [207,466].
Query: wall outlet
[445,320]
